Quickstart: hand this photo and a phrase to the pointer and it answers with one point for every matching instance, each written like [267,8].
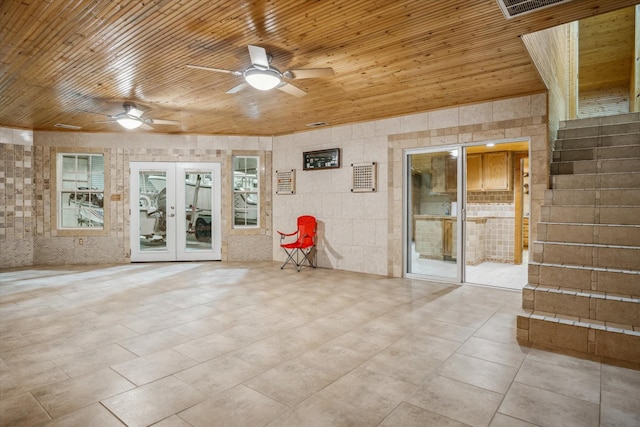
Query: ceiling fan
[261,75]
[131,118]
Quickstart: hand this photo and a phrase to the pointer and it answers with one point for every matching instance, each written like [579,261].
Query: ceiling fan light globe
[129,123]
[263,79]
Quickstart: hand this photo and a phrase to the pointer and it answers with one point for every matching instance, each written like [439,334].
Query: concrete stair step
[620,215]
[600,121]
[600,130]
[584,254]
[597,153]
[584,270]
[610,342]
[603,280]
[593,197]
[597,141]
[595,166]
[587,305]
[603,234]
[596,181]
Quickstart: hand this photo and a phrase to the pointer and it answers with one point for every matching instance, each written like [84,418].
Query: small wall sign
[321,159]
[286,182]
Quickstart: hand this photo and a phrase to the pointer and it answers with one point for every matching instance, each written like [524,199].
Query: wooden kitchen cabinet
[444,171]
[451,175]
[447,239]
[488,171]
[495,171]
[474,172]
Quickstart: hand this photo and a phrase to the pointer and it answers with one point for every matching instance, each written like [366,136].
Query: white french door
[175,211]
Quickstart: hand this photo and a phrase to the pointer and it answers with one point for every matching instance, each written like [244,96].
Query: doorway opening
[467,212]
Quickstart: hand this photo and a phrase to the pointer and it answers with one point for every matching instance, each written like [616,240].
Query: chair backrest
[306,230]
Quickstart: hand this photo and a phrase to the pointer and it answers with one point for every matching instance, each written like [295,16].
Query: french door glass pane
[198,194]
[153,210]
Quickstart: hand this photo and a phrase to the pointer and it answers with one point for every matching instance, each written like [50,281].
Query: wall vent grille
[513,8]
[364,177]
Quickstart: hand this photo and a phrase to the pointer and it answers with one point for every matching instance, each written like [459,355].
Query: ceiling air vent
[513,8]
[63,126]
[317,124]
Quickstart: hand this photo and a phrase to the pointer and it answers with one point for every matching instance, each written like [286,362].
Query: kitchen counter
[436,237]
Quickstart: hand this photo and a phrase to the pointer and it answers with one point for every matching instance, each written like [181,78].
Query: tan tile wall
[363,232]
[490,197]
[475,242]
[16,205]
[352,227]
[357,231]
[428,238]
[37,241]
[515,119]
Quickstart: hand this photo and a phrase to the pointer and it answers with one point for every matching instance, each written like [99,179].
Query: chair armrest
[287,234]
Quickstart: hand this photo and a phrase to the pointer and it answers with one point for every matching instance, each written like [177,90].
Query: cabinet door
[438,174]
[451,175]
[495,171]
[447,238]
[474,172]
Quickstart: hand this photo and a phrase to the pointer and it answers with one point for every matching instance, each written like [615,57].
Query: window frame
[243,195]
[58,189]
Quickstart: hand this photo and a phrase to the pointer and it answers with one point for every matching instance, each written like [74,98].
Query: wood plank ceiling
[71,61]
[605,55]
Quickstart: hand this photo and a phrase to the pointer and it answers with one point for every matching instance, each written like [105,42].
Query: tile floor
[239,344]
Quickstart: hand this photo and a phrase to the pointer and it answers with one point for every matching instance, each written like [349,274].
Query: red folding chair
[302,250]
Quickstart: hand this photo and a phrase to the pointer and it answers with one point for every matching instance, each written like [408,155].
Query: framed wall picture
[321,159]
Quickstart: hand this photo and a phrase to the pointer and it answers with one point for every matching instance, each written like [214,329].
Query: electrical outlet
[80,242]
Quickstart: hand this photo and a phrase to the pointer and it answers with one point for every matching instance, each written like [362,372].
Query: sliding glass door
[433,226]
[466,213]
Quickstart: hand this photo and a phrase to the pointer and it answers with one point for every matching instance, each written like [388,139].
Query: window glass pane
[81,190]
[245,188]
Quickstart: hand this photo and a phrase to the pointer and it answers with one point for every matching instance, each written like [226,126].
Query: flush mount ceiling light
[263,79]
[129,123]
[131,118]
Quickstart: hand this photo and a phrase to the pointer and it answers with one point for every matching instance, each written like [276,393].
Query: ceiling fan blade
[292,90]
[145,127]
[218,70]
[259,57]
[308,73]
[163,122]
[237,88]
[99,114]
[133,111]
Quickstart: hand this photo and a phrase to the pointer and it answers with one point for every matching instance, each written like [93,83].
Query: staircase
[584,275]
